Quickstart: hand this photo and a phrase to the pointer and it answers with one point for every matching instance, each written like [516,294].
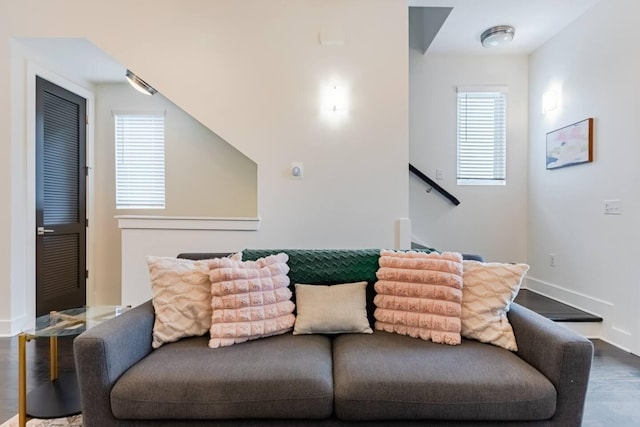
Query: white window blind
[139,160]
[482,136]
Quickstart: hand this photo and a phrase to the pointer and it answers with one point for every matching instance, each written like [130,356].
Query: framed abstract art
[570,145]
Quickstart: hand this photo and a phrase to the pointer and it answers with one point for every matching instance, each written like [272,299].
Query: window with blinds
[482,123]
[139,160]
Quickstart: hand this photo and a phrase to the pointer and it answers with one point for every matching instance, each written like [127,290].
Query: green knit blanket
[329,267]
[326,266]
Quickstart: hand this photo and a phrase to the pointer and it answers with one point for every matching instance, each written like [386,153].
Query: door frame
[34,70]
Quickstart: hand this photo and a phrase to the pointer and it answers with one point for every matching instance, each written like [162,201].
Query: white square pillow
[334,309]
[249,300]
[181,297]
[489,289]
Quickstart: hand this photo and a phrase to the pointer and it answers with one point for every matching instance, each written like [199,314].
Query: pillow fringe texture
[420,294]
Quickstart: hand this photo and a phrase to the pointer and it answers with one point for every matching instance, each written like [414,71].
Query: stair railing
[433,185]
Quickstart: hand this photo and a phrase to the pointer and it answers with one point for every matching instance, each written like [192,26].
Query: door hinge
[86,222]
[86,119]
[86,170]
[86,274]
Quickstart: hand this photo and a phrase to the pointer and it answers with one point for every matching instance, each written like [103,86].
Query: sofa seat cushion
[284,376]
[386,376]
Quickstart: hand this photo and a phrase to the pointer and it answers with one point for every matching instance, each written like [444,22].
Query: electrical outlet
[613,207]
[552,260]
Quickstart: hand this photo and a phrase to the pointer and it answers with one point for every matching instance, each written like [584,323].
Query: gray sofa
[378,379]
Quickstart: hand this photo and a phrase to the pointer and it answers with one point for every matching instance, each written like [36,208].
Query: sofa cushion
[420,295]
[181,297]
[386,376]
[284,376]
[489,289]
[333,309]
[249,299]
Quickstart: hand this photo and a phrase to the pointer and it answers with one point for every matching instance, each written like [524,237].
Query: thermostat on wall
[297,170]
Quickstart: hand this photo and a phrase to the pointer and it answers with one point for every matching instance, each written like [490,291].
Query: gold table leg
[53,358]
[22,373]
[22,380]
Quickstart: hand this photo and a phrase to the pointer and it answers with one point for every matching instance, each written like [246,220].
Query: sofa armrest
[562,355]
[103,353]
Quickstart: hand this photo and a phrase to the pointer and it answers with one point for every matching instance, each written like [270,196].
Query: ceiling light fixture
[139,84]
[499,35]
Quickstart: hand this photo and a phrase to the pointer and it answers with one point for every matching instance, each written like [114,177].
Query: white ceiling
[79,57]
[535,21]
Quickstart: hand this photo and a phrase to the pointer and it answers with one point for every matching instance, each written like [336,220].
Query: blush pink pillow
[249,300]
[420,294]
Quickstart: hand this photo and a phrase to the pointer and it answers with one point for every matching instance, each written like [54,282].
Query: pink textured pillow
[420,294]
[250,299]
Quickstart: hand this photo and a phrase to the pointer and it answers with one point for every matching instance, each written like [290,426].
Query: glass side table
[60,397]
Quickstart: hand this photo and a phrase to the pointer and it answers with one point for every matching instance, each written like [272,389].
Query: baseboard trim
[11,327]
[5,328]
[574,299]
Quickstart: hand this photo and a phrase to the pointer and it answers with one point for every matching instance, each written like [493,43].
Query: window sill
[481,182]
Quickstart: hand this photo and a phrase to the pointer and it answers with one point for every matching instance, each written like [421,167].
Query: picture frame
[571,145]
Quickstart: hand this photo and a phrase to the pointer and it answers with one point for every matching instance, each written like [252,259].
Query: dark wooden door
[60,198]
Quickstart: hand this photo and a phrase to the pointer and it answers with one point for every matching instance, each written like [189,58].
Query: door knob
[42,230]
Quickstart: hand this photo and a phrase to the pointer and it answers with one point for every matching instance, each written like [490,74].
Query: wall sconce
[139,84]
[335,98]
[549,101]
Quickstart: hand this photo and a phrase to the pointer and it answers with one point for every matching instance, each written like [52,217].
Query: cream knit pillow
[181,297]
[489,289]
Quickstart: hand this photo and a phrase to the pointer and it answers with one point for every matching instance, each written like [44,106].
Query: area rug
[75,421]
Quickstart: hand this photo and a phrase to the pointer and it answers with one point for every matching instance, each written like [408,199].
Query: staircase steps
[553,309]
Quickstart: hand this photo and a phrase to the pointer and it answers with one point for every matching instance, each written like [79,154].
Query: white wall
[254,73]
[490,220]
[594,66]
[204,177]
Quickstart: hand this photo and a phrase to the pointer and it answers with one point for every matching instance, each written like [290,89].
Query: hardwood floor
[613,397]
[612,400]
[37,368]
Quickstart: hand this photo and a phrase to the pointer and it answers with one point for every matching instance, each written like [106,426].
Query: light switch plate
[613,207]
